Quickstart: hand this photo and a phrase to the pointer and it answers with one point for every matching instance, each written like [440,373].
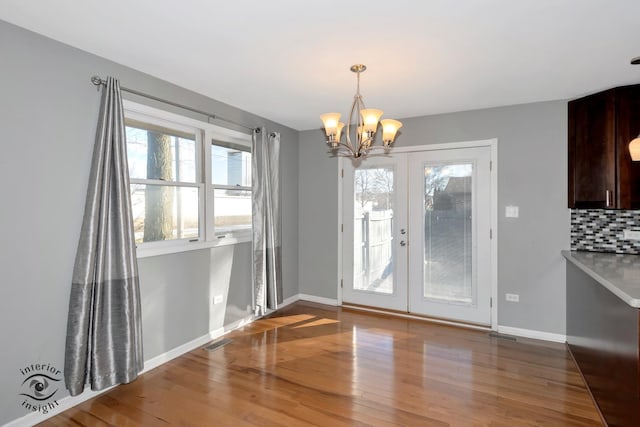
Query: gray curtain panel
[267,251]
[104,328]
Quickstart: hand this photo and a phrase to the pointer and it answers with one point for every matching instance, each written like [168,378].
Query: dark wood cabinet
[603,335]
[601,172]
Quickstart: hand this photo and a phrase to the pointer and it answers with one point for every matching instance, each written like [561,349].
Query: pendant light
[366,122]
[634,145]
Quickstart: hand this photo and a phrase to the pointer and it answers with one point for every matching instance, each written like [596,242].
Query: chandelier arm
[348,147]
[354,106]
[362,142]
[352,152]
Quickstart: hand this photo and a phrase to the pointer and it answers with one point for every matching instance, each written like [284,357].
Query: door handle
[403,231]
[403,243]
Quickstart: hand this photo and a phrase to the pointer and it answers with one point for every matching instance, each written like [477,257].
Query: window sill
[147,252]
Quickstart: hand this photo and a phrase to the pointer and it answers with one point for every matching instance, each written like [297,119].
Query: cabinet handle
[607,197]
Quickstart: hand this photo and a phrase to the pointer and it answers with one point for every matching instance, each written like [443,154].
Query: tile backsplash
[600,230]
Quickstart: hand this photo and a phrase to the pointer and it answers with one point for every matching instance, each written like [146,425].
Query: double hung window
[163,170]
[185,193]
[231,185]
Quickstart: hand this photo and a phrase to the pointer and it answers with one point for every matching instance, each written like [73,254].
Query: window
[186,194]
[164,191]
[231,183]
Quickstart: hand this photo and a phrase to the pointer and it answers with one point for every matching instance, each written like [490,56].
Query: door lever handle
[403,243]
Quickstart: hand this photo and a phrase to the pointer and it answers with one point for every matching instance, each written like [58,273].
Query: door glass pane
[447,229]
[373,230]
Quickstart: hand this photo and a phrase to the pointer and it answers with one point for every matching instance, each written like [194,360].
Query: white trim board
[495,208]
[493,144]
[182,349]
[530,333]
[69,402]
[239,323]
[319,300]
[289,301]
[420,318]
[507,330]
[65,403]
[446,146]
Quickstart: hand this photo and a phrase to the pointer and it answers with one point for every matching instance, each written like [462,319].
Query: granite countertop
[618,273]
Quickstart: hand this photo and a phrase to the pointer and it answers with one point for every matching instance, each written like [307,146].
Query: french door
[375,258]
[417,233]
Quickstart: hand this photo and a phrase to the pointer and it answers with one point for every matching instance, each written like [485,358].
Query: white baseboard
[507,330]
[529,333]
[310,298]
[65,403]
[414,317]
[319,300]
[69,402]
[289,301]
[181,349]
[239,323]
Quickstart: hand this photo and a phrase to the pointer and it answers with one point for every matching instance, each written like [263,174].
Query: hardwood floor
[317,365]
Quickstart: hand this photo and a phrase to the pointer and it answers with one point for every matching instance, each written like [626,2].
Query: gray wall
[48,112]
[532,174]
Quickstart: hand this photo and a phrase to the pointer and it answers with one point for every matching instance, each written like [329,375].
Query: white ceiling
[288,60]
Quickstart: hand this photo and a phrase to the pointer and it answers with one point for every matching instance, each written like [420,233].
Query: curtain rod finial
[96,80]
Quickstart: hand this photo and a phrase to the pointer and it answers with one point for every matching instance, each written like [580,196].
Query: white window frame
[206,134]
[234,236]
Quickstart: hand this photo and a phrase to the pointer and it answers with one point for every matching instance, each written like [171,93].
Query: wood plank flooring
[314,365]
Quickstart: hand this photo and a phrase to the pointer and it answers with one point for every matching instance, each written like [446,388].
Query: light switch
[511,211]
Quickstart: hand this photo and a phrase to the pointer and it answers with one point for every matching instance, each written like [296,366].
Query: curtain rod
[100,82]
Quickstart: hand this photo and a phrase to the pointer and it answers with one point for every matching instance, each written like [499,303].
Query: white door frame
[493,145]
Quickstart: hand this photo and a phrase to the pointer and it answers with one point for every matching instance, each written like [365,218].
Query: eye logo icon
[39,385]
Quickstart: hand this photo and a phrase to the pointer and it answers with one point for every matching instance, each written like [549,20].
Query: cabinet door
[592,151]
[627,128]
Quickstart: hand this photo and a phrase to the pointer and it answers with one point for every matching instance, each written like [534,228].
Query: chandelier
[366,120]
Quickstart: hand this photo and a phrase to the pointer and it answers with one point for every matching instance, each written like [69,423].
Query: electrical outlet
[631,235]
[218,299]
[512,297]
